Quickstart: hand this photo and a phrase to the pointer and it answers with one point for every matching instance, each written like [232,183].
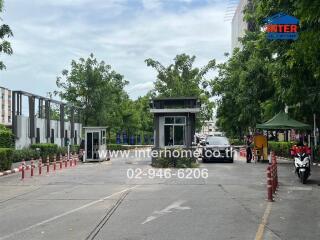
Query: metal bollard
[32,167]
[23,165]
[48,165]
[269,184]
[40,165]
[54,163]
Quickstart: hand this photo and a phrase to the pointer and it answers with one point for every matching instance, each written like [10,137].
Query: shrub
[281,149]
[235,141]
[5,158]
[116,147]
[25,154]
[46,149]
[6,137]
[167,160]
[74,148]
[62,150]
[316,153]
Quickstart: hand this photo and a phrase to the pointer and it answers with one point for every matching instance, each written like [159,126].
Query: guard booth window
[174,131]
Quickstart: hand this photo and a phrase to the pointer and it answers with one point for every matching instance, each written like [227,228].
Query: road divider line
[264,220]
[65,213]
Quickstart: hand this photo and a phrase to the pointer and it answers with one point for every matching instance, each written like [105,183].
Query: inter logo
[282,27]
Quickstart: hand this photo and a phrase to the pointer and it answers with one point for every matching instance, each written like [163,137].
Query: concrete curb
[19,169]
[8,172]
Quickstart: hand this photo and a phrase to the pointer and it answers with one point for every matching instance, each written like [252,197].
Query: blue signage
[282,27]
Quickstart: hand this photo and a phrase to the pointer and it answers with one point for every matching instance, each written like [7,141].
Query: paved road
[98,201]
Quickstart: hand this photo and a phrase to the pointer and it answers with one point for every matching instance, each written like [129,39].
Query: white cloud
[117,31]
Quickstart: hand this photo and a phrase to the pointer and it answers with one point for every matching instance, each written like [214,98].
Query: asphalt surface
[99,201]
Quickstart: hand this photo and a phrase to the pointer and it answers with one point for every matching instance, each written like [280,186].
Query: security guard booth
[95,144]
[174,121]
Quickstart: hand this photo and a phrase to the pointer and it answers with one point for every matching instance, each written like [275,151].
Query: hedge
[235,141]
[281,149]
[316,153]
[46,149]
[74,148]
[170,161]
[5,158]
[25,154]
[6,138]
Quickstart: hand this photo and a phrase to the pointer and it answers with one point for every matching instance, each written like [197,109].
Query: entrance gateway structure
[44,124]
[174,121]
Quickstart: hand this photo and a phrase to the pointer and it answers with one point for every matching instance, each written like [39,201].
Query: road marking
[259,234]
[176,205]
[296,188]
[65,214]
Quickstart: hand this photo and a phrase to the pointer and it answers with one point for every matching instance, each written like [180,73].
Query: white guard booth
[95,142]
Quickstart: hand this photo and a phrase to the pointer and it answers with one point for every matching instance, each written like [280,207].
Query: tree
[5,32]
[142,106]
[181,79]
[264,76]
[95,88]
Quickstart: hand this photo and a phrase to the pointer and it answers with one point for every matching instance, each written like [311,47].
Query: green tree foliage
[99,91]
[6,137]
[265,76]
[182,79]
[95,88]
[5,33]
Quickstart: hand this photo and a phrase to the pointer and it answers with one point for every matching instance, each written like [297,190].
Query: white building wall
[238,25]
[23,140]
[5,106]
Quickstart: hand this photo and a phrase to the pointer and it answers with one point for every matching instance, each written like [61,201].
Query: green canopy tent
[282,121]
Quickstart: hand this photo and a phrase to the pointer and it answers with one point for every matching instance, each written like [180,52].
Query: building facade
[208,127]
[238,25]
[39,125]
[5,106]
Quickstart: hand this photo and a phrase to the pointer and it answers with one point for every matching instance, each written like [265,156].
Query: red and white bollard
[48,165]
[70,160]
[60,161]
[75,159]
[40,166]
[269,184]
[65,161]
[23,166]
[32,168]
[54,163]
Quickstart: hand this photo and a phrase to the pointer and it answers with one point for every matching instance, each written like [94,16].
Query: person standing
[248,148]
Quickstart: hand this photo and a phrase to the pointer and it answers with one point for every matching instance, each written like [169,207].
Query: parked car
[217,149]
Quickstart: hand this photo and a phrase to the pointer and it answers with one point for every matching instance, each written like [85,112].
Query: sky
[49,34]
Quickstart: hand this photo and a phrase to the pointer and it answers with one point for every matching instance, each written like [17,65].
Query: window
[38,135]
[103,137]
[174,131]
[169,120]
[52,136]
[75,137]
